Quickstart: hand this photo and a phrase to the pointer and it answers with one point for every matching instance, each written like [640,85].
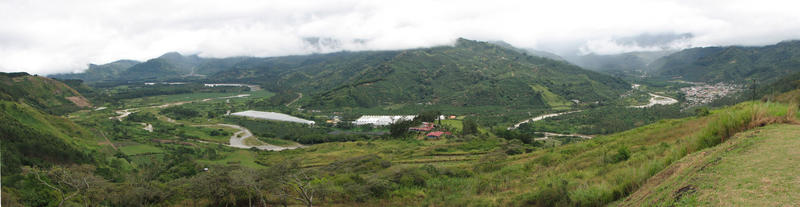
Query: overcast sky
[53,36]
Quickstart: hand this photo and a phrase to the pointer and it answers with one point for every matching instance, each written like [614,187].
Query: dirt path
[148,127]
[538,118]
[238,140]
[657,100]
[547,135]
[107,140]
[300,95]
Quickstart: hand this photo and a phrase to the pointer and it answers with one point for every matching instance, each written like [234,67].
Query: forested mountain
[631,61]
[531,52]
[733,63]
[471,73]
[170,66]
[100,72]
[45,94]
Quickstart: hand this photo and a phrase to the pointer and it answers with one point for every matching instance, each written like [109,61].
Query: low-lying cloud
[46,37]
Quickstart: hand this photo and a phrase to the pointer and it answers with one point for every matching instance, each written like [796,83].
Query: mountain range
[469,73]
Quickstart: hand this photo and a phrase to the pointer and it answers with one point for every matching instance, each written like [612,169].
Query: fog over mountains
[55,37]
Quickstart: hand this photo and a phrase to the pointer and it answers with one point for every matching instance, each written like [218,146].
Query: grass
[244,158]
[453,124]
[754,168]
[277,142]
[140,149]
[203,133]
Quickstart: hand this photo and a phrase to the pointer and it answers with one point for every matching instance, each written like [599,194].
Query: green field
[140,149]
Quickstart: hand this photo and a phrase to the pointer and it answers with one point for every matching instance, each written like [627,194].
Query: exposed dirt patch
[79,101]
[685,190]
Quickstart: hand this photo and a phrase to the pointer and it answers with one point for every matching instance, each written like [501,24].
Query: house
[426,126]
[437,134]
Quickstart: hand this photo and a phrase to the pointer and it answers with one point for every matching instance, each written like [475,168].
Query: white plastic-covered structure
[382,120]
[272,116]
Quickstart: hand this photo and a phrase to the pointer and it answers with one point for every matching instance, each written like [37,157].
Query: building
[426,126]
[382,120]
[272,116]
[437,134]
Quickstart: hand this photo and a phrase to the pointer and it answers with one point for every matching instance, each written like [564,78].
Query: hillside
[33,138]
[734,63]
[99,72]
[625,62]
[754,168]
[471,73]
[44,94]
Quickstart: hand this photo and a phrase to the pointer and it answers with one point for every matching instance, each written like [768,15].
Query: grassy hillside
[754,168]
[33,138]
[45,94]
[714,64]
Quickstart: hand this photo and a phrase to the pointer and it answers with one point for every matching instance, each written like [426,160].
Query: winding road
[237,140]
[540,118]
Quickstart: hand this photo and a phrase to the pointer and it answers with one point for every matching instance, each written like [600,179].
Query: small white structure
[382,120]
[223,84]
[272,116]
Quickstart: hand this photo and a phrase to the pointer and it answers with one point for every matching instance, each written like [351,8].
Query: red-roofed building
[426,126]
[435,134]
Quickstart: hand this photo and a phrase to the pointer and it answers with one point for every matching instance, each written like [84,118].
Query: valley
[473,124]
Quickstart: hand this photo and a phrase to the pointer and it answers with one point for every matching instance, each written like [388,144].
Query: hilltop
[42,93]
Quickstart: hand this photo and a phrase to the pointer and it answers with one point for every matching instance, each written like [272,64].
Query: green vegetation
[139,149]
[604,120]
[42,93]
[734,63]
[172,150]
[751,169]
[31,138]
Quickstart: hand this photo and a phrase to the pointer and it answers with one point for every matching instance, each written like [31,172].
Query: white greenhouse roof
[272,116]
[382,120]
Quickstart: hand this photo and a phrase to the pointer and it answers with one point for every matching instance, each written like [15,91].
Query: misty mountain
[532,52]
[471,73]
[732,63]
[100,72]
[631,61]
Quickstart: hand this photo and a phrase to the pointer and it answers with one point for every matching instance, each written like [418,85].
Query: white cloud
[44,36]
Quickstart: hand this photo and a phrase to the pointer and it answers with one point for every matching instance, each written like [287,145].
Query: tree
[469,126]
[71,181]
[400,128]
[428,116]
[301,187]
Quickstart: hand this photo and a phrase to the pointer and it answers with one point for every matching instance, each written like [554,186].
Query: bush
[623,153]
[551,192]
[702,111]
